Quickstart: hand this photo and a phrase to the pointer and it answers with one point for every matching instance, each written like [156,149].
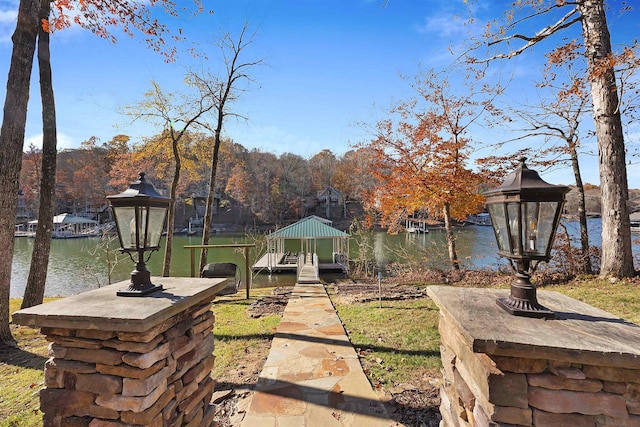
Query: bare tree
[557,118]
[559,121]
[96,16]
[176,119]
[225,91]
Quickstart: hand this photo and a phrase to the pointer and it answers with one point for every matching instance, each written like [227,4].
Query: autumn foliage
[569,29]
[129,16]
[421,158]
[422,153]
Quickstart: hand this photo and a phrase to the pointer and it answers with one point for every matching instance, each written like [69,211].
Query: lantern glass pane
[141,223]
[125,218]
[530,227]
[156,225]
[513,216]
[499,222]
[546,227]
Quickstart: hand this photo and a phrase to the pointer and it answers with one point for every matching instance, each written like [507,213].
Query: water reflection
[76,265]
[476,248]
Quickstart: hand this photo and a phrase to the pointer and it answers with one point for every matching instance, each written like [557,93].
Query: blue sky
[331,64]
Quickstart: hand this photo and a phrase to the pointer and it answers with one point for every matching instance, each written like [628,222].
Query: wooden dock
[309,271]
[279,262]
[276,262]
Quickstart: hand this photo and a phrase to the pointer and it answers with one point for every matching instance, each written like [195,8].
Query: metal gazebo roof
[308,227]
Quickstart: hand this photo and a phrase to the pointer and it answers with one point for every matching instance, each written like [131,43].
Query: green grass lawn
[398,343]
[620,298]
[22,376]
[241,341]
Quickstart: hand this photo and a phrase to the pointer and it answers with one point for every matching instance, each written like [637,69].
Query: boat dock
[416,225]
[307,247]
[276,262]
[279,262]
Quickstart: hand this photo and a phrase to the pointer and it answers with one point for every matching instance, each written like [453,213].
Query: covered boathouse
[310,240]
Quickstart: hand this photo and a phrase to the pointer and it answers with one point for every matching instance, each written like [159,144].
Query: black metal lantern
[525,212]
[140,213]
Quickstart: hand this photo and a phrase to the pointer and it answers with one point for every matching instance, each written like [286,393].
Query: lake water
[78,265]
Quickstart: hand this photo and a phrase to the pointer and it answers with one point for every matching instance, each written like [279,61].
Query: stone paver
[312,376]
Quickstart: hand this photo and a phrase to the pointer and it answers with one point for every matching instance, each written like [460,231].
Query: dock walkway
[288,262]
[309,270]
[312,376]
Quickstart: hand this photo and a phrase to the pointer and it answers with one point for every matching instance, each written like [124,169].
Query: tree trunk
[617,259]
[451,239]
[166,266]
[171,214]
[208,213]
[11,142]
[224,92]
[34,291]
[239,217]
[586,266]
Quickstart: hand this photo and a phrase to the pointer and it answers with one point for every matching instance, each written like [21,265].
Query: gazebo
[309,236]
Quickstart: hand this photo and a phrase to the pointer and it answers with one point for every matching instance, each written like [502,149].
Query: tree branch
[562,23]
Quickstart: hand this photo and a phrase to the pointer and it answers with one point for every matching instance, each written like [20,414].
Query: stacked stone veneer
[529,385]
[159,377]
[121,361]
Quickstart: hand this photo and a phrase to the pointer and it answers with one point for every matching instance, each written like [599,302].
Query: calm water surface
[78,265]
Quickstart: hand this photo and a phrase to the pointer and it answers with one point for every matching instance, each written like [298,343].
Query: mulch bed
[270,304]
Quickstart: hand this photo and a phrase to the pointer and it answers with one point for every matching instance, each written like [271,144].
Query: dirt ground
[410,405]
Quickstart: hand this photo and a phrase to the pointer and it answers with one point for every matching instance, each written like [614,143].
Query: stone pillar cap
[579,333]
[102,309]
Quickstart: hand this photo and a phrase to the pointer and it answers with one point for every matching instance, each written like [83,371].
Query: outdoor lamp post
[140,213]
[525,212]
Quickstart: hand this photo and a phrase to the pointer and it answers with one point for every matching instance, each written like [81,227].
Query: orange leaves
[45,25]
[575,88]
[238,184]
[564,53]
[352,174]
[606,65]
[101,16]
[419,155]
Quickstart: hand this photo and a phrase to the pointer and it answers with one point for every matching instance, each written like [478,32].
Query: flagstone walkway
[312,376]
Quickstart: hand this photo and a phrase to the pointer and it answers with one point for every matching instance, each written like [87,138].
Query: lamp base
[522,300]
[524,308]
[140,284]
[133,291]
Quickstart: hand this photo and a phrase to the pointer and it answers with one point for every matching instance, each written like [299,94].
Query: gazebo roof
[319,218]
[308,227]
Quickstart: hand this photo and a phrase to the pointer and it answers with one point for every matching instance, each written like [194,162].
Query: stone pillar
[581,369]
[129,361]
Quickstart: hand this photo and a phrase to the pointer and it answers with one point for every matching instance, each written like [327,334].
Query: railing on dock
[308,268]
